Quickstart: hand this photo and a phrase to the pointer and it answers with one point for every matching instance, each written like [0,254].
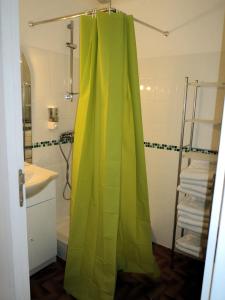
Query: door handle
[21,183]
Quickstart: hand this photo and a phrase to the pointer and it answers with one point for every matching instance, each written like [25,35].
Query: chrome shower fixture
[69,95]
[71,46]
[64,138]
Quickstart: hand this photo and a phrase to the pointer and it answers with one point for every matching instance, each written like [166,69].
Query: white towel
[195,188]
[192,222]
[203,164]
[192,242]
[201,174]
[195,194]
[192,205]
[194,182]
[193,217]
[192,228]
[191,252]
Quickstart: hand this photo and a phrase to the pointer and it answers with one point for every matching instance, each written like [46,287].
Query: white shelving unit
[189,236]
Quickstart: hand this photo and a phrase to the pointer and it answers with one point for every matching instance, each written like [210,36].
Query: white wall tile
[49,71]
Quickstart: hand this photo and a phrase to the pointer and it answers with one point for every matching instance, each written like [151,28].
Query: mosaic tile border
[66,140]
[177,149]
[204,151]
[146,144]
[162,146]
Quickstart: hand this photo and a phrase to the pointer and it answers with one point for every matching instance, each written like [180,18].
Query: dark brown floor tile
[183,282]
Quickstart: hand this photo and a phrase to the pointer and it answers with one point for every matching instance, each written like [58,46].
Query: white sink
[36,178]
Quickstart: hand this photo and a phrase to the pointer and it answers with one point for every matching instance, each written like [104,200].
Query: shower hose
[64,138]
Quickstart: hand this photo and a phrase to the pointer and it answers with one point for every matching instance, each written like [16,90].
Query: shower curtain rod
[91,12]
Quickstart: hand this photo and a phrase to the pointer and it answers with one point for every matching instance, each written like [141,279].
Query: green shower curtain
[110,224]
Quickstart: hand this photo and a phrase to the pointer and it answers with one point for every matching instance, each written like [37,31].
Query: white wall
[192,49]
[52,36]
[195,25]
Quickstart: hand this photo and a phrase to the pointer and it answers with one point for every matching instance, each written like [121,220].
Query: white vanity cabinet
[41,227]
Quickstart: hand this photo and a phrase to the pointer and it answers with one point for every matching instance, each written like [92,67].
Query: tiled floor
[181,283]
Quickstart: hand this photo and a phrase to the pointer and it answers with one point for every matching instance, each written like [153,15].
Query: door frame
[14,268]
[214,273]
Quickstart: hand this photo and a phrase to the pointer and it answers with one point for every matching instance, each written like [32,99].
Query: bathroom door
[14,269]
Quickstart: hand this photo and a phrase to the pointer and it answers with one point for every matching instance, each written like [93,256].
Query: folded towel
[193,228]
[193,242]
[201,196]
[196,188]
[191,252]
[192,217]
[197,174]
[203,164]
[191,205]
[194,182]
[192,222]
[201,174]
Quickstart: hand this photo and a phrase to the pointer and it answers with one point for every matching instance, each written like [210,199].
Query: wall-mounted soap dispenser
[53,117]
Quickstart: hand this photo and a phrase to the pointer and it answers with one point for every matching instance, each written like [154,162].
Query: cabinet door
[41,224]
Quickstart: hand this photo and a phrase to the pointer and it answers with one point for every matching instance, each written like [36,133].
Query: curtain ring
[109,8]
[93,13]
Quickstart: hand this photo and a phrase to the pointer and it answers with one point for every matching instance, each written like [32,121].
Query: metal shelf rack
[186,150]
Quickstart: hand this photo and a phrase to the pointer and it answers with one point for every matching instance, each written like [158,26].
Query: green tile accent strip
[162,146]
[64,140]
[67,140]
[205,151]
[177,149]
